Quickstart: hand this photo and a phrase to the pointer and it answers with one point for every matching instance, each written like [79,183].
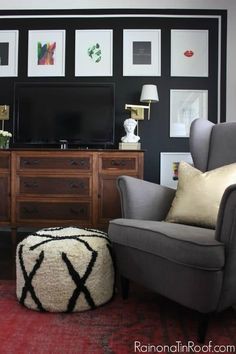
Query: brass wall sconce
[136,111]
[149,94]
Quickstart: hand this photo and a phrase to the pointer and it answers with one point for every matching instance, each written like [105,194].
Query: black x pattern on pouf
[64,270]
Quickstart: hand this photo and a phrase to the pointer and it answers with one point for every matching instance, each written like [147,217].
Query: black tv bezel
[19,143]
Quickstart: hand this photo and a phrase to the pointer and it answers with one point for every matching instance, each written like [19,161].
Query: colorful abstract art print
[169,165]
[46,53]
[8,53]
[189,53]
[93,53]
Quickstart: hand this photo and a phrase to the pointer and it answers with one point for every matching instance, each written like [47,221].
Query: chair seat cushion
[188,245]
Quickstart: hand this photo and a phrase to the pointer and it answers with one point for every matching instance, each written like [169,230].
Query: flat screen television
[81,113]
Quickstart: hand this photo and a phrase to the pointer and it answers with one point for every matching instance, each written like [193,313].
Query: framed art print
[169,167]
[185,106]
[9,53]
[93,53]
[46,53]
[189,53]
[142,52]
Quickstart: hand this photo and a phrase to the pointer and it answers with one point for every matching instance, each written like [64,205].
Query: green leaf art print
[95,52]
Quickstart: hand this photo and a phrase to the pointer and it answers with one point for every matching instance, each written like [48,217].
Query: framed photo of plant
[93,52]
[9,53]
[46,53]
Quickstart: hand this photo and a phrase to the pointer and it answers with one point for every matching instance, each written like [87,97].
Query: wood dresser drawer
[5,161]
[74,186]
[5,198]
[41,210]
[54,163]
[118,163]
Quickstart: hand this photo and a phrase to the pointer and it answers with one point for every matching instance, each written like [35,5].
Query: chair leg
[202,327]
[124,282]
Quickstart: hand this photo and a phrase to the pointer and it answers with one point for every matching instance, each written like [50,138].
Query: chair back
[212,145]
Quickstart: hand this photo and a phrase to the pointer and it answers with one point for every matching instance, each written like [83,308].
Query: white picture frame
[142,52]
[169,162]
[185,106]
[94,52]
[46,53]
[189,53]
[9,53]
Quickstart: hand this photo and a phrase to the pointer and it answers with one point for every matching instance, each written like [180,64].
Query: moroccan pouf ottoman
[64,270]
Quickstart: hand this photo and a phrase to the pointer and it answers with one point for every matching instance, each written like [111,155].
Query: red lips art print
[189,53]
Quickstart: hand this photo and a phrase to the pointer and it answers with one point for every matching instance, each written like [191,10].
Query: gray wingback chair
[194,266]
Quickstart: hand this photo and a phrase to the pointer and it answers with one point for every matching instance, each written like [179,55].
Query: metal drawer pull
[77,212]
[31,184]
[30,210]
[30,162]
[73,163]
[118,163]
[77,185]
[77,163]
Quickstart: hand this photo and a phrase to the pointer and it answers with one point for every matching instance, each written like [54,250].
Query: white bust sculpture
[130,125]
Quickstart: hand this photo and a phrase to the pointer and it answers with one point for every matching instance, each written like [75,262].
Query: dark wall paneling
[154,133]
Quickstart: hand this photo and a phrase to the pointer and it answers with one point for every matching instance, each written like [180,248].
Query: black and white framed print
[9,53]
[142,52]
[185,106]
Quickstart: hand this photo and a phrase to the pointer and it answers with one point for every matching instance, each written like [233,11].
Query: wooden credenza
[5,188]
[43,188]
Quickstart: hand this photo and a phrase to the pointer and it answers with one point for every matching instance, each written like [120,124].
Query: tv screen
[82,114]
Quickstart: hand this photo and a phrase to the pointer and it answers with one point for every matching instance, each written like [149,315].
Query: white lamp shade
[149,94]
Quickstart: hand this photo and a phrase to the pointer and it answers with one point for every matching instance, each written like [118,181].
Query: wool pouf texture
[64,270]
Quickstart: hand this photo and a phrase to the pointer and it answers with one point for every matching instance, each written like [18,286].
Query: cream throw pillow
[199,194]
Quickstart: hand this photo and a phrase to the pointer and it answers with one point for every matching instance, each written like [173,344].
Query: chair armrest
[226,233]
[144,200]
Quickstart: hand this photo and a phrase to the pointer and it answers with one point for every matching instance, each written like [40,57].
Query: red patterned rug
[143,323]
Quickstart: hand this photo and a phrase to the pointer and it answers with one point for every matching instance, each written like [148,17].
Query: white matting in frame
[9,53]
[169,167]
[93,52]
[185,106]
[46,53]
[142,52]
[189,53]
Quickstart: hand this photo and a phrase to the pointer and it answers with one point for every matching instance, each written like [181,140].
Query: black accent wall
[154,133]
